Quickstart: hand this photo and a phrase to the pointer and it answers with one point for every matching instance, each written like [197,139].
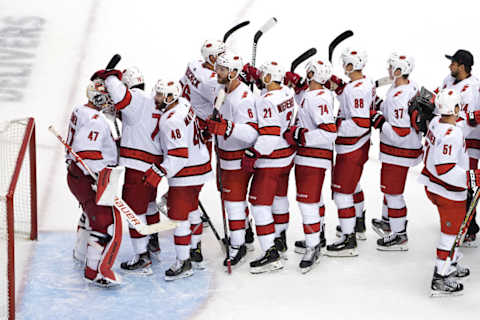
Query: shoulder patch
[358,84]
[171,114]
[397,93]
[213,75]
[267,94]
[245,94]
[320,93]
[465,87]
[448,131]
[95,116]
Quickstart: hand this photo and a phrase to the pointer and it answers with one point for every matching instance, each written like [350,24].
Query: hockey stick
[210,223]
[267,26]
[235,28]
[301,58]
[385,81]
[463,230]
[119,203]
[344,35]
[111,64]
[216,115]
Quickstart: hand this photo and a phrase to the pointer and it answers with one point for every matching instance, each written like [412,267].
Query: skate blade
[199,265]
[402,247]
[380,232]
[442,294]
[361,235]
[307,269]
[277,265]
[342,253]
[185,274]
[299,250]
[250,246]
[141,272]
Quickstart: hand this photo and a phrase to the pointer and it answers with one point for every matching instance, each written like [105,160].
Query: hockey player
[186,165]
[400,148]
[467,85]
[237,131]
[446,178]
[90,137]
[352,145]
[138,150]
[314,138]
[272,158]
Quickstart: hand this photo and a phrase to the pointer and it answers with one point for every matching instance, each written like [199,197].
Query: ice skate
[249,237]
[300,245]
[269,262]
[460,271]
[180,269]
[443,286]
[140,264]
[381,227]
[310,258]
[196,257]
[237,255]
[393,242]
[346,246]
[281,244]
[470,241]
[153,247]
[96,278]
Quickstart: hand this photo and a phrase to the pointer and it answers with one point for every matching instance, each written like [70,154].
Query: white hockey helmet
[167,88]
[446,101]
[273,69]
[230,60]
[322,71]
[132,77]
[97,94]
[357,58]
[402,62]
[212,48]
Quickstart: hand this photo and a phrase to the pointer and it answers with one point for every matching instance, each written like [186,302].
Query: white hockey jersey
[315,113]
[199,84]
[399,143]
[445,161]
[238,107]
[186,159]
[355,102]
[141,120]
[90,137]
[469,93]
[275,110]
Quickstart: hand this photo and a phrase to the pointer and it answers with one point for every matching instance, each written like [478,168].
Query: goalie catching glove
[420,109]
[154,175]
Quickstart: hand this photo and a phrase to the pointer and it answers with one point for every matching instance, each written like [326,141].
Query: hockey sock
[397,212]
[281,215]
[196,226]
[321,212]
[346,211]
[139,241]
[443,247]
[311,223]
[358,201]
[236,221]
[264,225]
[153,216]
[182,238]
[384,209]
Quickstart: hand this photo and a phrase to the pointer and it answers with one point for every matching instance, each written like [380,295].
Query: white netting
[12,134]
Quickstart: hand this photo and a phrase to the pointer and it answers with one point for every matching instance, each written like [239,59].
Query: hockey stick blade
[344,35]
[267,26]
[113,61]
[301,58]
[235,28]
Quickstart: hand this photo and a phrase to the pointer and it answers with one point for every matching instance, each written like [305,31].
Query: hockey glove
[220,127]
[248,160]
[153,176]
[473,118]
[295,136]
[335,84]
[250,75]
[103,74]
[473,178]
[377,119]
[378,102]
[292,79]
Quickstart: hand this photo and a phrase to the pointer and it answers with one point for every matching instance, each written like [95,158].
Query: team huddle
[173,133]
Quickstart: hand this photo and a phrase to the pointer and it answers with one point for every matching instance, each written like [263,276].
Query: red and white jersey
[275,110]
[140,126]
[238,107]
[186,159]
[355,102]
[315,113]
[400,144]
[468,89]
[90,137]
[199,84]
[445,161]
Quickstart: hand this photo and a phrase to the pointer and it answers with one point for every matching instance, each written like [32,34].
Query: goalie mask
[273,69]
[322,71]
[133,77]
[97,94]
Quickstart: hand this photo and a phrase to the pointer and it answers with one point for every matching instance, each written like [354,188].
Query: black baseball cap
[462,57]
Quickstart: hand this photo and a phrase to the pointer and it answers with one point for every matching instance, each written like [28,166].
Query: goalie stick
[344,35]
[463,230]
[235,28]
[119,203]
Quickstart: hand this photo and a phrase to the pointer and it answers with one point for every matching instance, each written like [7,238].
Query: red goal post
[18,201]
